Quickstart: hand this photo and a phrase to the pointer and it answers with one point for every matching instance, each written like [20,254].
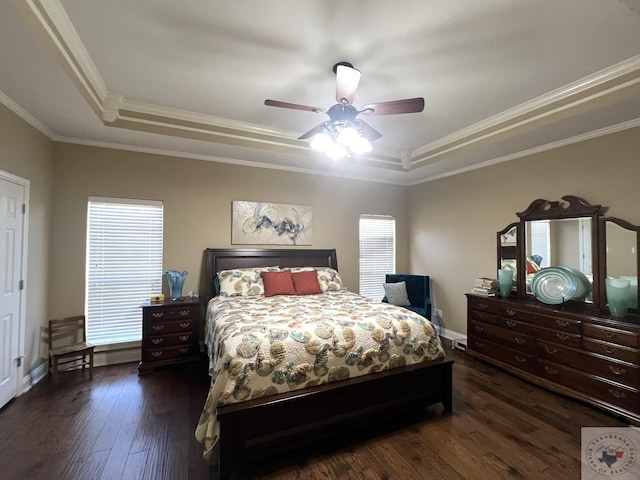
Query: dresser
[169,334]
[566,348]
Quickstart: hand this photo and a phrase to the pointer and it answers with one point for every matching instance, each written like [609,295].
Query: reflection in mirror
[559,242]
[507,250]
[622,257]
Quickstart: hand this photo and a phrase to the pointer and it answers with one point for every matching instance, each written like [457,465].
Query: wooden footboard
[276,423]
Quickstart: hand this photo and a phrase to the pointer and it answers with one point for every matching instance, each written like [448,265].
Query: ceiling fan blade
[294,106]
[368,131]
[347,80]
[312,132]
[408,105]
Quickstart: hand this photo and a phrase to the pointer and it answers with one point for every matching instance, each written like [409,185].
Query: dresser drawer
[153,354]
[612,335]
[481,304]
[547,321]
[483,316]
[562,338]
[627,354]
[609,392]
[515,340]
[616,371]
[157,328]
[523,361]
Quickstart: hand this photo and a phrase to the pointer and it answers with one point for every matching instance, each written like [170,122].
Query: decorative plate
[584,285]
[554,285]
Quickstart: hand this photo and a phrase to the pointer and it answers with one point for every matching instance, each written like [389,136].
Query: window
[377,253]
[124,266]
[540,240]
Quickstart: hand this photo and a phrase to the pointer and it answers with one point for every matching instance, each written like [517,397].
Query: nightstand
[169,333]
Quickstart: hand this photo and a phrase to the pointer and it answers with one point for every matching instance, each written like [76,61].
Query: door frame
[23,182]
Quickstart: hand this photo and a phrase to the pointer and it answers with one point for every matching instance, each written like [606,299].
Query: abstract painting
[261,223]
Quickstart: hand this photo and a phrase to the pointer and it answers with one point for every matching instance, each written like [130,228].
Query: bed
[294,401]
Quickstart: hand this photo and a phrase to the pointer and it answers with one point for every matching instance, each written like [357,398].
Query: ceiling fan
[345,132]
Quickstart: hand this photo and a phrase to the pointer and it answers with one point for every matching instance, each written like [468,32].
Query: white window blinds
[377,253]
[124,266]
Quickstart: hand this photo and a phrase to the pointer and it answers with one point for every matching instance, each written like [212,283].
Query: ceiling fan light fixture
[347,136]
[360,146]
[337,151]
[321,142]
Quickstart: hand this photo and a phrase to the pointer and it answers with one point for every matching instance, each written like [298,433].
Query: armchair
[418,291]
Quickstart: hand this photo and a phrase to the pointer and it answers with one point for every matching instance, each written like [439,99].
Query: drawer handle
[157,341]
[183,350]
[157,327]
[511,324]
[550,350]
[184,313]
[483,305]
[511,312]
[183,338]
[520,359]
[617,393]
[617,370]
[157,314]
[482,316]
[479,328]
[185,324]
[479,344]
[550,370]
[157,353]
[562,336]
[609,334]
[519,340]
[610,350]
[562,323]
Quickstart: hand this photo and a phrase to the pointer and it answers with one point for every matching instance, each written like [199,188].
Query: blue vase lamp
[175,279]
[505,280]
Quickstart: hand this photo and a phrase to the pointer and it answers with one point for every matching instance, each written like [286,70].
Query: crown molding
[26,116]
[533,151]
[53,24]
[546,108]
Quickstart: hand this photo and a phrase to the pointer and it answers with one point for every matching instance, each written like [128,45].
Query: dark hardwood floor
[121,426]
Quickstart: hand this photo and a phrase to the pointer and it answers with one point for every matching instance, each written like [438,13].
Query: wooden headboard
[217,259]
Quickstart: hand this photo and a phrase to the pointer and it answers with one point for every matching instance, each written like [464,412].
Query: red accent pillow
[532,267]
[306,283]
[278,283]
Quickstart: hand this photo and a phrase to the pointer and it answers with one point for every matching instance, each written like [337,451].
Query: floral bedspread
[261,346]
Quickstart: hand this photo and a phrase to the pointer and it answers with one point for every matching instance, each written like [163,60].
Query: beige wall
[453,221]
[197,198]
[26,153]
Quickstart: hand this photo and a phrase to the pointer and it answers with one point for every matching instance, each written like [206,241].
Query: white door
[11,231]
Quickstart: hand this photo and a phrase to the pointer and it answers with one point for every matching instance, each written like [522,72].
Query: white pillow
[397,294]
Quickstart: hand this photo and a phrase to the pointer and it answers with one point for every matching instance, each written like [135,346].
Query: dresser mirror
[565,242]
[560,233]
[619,242]
[508,251]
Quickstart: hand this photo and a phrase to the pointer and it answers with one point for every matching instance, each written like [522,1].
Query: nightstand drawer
[185,338]
[169,352]
[173,313]
[157,328]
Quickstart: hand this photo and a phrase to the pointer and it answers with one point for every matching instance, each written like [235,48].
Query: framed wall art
[263,223]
